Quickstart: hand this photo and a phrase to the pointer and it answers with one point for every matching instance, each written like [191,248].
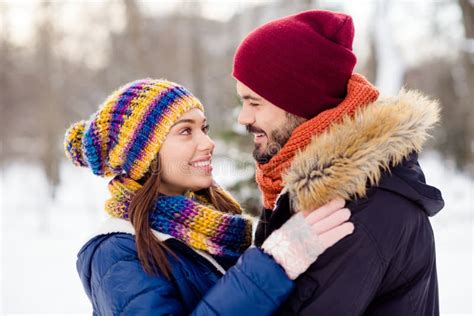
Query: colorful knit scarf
[360,92]
[189,218]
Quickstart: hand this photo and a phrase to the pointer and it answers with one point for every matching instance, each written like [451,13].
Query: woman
[174,237]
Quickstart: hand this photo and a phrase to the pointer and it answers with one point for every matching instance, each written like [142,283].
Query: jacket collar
[118,225]
[354,153]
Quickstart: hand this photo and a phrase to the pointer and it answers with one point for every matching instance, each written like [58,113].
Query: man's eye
[254,104]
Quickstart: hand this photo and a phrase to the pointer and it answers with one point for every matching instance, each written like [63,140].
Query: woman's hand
[329,222]
[298,243]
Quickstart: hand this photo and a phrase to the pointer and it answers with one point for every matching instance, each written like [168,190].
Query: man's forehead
[245,92]
[240,87]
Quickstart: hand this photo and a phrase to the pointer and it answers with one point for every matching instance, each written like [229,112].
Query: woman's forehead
[194,114]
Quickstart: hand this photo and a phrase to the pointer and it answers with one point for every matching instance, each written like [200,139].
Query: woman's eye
[205,129]
[185,131]
[254,104]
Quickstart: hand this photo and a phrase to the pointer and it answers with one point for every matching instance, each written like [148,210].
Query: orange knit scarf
[360,92]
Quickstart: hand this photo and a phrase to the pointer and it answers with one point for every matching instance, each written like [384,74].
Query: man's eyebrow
[188,121]
[249,97]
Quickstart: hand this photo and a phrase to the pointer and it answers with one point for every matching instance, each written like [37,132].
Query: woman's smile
[203,163]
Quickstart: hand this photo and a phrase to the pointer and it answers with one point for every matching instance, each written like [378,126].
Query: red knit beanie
[300,63]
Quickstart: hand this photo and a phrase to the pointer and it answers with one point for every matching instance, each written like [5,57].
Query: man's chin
[260,149]
[260,155]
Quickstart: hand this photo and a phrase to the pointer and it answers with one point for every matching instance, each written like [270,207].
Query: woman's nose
[206,144]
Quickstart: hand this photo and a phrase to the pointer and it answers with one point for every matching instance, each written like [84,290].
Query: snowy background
[67,55]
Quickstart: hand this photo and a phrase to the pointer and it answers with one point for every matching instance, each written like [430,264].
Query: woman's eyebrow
[188,121]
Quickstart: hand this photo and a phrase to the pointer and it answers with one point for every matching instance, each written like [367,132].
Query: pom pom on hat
[73,143]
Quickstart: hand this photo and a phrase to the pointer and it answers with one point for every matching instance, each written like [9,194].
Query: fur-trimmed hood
[352,155]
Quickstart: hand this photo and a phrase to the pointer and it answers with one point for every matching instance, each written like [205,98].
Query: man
[322,132]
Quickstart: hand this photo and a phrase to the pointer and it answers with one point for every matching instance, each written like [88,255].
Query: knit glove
[298,243]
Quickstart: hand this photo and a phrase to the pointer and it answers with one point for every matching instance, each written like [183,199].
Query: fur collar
[354,153]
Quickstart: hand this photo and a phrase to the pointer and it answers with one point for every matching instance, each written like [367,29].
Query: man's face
[270,125]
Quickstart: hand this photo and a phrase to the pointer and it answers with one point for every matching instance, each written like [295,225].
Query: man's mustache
[254,129]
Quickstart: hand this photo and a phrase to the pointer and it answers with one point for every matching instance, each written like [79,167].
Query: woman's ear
[155,167]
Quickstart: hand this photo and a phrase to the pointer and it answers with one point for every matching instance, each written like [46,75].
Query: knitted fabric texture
[189,218]
[269,176]
[125,134]
[300,63]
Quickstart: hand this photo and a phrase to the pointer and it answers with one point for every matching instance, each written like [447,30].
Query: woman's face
[186,155]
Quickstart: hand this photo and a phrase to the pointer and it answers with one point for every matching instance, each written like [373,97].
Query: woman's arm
[263,278]
[257,285]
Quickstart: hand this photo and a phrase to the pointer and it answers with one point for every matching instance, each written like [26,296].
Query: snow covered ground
[40,239]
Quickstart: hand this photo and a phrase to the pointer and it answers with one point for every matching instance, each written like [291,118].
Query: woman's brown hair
[152,252]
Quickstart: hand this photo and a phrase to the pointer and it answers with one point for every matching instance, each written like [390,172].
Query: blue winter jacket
[116,283]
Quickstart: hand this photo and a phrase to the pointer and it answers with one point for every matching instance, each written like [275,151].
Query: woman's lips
[204,165]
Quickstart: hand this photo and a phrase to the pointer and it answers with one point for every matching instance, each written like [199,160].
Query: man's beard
[276,140]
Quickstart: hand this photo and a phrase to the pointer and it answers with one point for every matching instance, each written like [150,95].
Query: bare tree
[5,63]
[389,70]
[467,97]
[195,33]
[49,114]
[135,37]
[451,81]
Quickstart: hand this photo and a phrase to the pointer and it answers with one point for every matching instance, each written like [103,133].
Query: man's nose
[246,116]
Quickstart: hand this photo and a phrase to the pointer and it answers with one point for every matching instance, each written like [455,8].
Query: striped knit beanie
[126,133]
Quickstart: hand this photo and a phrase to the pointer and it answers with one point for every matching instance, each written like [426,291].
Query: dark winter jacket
[388,265]
[116,283]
